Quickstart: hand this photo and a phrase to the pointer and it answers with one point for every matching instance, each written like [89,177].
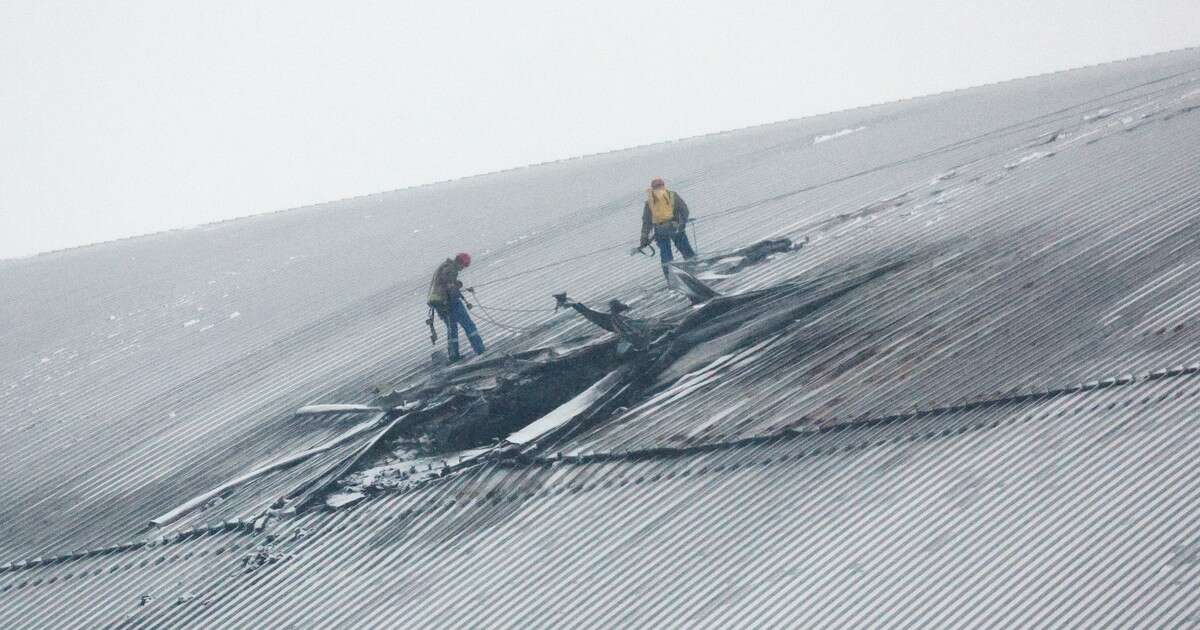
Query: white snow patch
[836,134]
[339,499]
[234,315]
[190,322]
[1100,114]
[204,328]
[1037,155]
[943,177]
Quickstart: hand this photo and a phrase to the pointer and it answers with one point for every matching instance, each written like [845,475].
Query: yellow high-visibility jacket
[663,219]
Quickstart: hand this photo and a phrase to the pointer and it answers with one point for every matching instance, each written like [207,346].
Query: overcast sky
[123,118]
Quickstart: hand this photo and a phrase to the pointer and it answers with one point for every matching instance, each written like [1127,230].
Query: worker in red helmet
[445,298]
[664,216]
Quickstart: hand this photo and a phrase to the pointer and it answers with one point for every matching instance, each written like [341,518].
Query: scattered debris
[1049,138]
[261,557]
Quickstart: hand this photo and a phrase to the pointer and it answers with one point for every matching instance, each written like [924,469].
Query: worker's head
[463,259]
[657,183]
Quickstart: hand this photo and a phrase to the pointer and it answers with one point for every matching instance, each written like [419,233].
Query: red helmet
[658,182]
[463,259]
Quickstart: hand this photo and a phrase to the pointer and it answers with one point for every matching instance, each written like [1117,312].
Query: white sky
[122,118]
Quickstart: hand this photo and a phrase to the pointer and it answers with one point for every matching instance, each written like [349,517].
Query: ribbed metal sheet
[998,430]
[1014,514]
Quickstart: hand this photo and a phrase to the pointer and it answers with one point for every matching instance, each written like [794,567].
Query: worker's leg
[451,333]
[664,252]
[685,246]
[664,249]
[463,318]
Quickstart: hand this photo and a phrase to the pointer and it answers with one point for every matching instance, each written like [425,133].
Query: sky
[126,118]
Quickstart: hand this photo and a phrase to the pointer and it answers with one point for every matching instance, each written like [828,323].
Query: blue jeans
[456,315]
[681,241]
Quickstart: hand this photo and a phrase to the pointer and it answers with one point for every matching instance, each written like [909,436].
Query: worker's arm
[681,209]
[647,224]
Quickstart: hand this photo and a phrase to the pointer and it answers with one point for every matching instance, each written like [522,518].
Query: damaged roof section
[1011,299]
[281,466]
[493,408]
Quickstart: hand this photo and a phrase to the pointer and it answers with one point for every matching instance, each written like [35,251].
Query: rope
[551,265]
[485,316]
[512,310]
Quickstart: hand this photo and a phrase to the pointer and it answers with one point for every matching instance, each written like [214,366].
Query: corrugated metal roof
[1016,513]
[996,430]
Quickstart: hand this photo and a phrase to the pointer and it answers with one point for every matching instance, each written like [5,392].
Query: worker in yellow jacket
[664,216]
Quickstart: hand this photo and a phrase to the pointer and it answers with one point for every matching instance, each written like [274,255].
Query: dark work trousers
[681,241]
[456,315]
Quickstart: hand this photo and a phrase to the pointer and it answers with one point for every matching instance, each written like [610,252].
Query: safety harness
[432,328]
